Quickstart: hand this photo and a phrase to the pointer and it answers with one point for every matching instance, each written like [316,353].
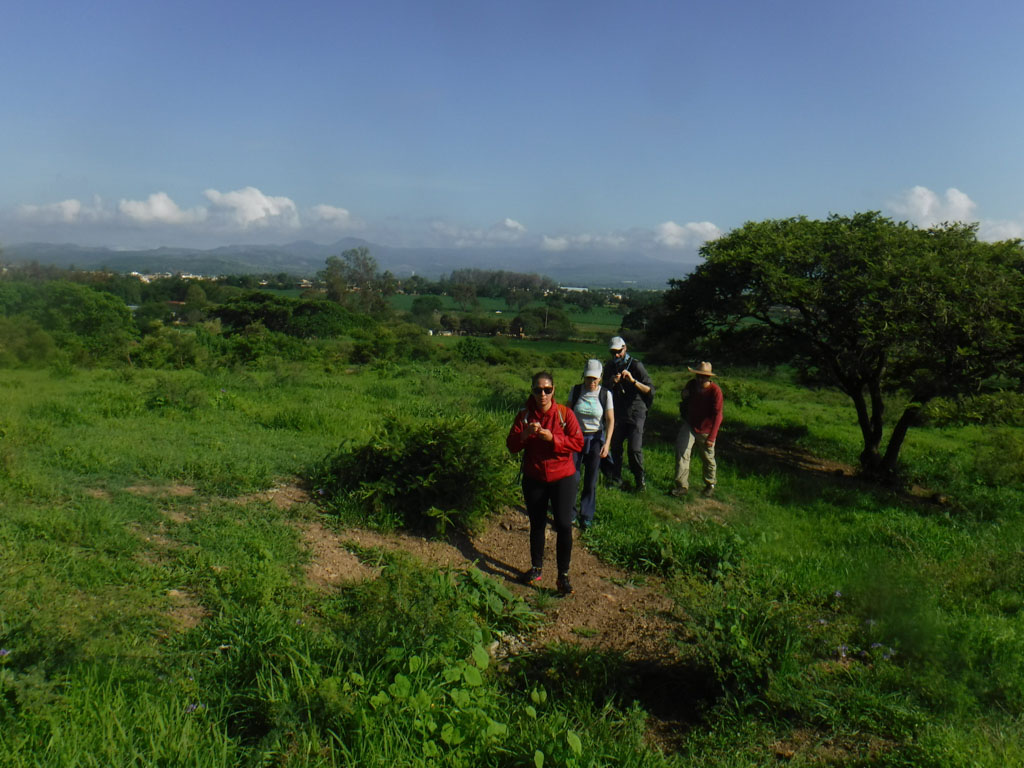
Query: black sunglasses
[543,390]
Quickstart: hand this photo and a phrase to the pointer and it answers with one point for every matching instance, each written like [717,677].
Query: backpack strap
[574,396]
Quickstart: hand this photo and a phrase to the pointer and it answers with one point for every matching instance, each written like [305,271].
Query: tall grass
[824,621]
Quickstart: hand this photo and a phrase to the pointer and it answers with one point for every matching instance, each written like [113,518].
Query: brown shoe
[679,492]
[708,492]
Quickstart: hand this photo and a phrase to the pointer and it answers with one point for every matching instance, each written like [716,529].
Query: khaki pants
[685,441]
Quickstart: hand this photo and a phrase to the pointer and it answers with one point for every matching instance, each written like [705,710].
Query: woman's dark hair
[542,375]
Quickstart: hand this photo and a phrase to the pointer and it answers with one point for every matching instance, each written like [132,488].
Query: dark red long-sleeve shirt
[704,408]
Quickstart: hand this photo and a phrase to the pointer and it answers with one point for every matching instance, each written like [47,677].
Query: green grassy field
[601,320]
[153,609]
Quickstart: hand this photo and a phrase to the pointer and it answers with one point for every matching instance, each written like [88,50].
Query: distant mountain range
[305,259]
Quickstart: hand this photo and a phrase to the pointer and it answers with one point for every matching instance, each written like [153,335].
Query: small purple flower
[822,621]
[5,652]
[193,707]
[837,593]
[876,645]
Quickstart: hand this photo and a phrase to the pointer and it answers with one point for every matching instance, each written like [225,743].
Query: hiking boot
[531,577]
[586,525]
[679,493]
[564,587]
[613,482]
[708,492]
[641,486]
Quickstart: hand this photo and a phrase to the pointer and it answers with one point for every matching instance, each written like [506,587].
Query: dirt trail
[609,610]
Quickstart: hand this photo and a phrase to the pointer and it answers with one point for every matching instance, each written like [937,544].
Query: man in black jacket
[632,393]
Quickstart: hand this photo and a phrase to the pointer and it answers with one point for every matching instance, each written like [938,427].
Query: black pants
[560,495]
[633,431]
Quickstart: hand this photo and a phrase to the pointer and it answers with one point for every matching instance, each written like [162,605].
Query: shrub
[24,343]
[995,408]
[449,470]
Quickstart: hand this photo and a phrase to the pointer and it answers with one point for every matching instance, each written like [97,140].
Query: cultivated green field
[601,320]
[153,609]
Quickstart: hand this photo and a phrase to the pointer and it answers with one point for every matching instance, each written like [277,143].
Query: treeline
[50,315]
[62,323]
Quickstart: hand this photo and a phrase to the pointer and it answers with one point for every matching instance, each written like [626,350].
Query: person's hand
[711,443]
[604,451]
[628,376]
[545,434]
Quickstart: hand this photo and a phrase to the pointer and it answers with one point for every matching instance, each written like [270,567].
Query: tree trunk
[870,457]
[910,417]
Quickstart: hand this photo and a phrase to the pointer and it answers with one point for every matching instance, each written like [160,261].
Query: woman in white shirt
[592,405]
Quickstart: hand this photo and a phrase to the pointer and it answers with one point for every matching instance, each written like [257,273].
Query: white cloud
[505,232]
[691,235]
[924,208]
[993,231]
[554,244]
[332,216]
[249,207]
[159,207]
[65,212]
[581,242]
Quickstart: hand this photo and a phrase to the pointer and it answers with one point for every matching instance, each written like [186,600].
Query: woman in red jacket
[550,435]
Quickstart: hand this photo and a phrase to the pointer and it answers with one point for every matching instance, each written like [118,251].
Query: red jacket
[546,461]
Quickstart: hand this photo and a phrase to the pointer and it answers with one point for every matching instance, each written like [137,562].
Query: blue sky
[648,126]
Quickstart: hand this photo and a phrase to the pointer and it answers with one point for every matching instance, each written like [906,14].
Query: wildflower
[876,645]
[822,621]
[193,707]
[4,652]
[837,593]
[842,651]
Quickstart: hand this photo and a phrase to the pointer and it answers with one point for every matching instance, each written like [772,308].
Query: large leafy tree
[870,305]
[354,281]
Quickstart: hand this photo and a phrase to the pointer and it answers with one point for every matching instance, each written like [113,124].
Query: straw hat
[702,369]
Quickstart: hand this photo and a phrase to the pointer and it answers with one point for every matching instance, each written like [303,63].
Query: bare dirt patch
[175,516]
[796,458]
[186,612]
[332,564]
[283,496]
[161,490]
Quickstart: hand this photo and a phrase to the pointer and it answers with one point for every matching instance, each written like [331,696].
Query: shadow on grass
[675,693]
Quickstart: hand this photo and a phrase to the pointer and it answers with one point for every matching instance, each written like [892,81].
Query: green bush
[996,408]
[449,470]
[24,343]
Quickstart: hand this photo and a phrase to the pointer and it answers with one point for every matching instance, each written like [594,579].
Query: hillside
[614,270]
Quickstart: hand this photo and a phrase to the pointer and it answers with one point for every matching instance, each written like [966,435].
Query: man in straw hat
[701,409]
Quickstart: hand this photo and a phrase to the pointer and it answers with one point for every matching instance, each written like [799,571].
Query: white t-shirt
[590,410]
